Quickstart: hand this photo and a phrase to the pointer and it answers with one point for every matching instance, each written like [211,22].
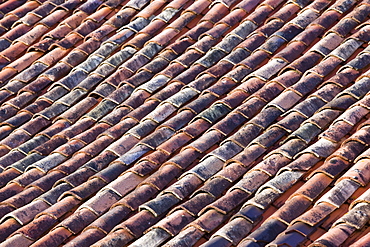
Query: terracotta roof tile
[183,123]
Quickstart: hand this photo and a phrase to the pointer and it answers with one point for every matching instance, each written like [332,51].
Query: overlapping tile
[184,123]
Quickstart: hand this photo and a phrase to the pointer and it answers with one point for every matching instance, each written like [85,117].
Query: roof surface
[184,123]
